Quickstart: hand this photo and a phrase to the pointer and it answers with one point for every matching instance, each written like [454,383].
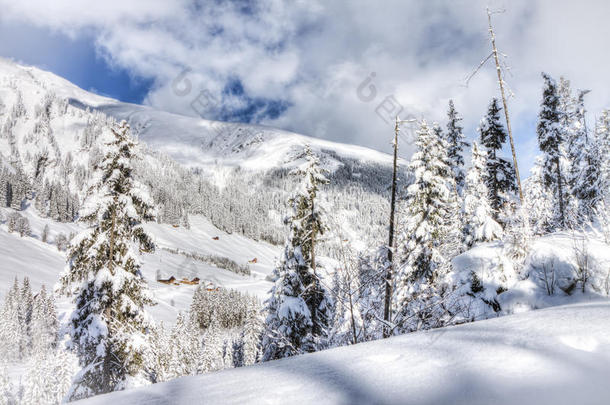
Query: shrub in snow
[61,241]
[45,234]
[477,279]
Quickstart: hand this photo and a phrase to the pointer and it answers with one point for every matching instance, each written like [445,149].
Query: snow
[43,263]
[191,141]
[559,355]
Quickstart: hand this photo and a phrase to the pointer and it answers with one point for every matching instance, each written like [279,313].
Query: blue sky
[75,59]
[298,65]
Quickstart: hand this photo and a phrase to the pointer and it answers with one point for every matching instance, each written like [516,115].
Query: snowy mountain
[560,355]
[190,141]
[232,173]
[224,196]
[209,179]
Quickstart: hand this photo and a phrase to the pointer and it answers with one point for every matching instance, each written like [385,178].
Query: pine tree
[550,141]
[212,356]
[23,226]
[573,133]
[109,324]
[49,377]
[427,222]
[26,308]
[11,330]
[184,349]
[7,395]
[45,325]
[538,201]
[251,336]
[500,175]
[456,144]
[299,309]
[479,224]
[585,175]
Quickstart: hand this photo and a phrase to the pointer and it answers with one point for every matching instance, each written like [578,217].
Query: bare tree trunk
[562,217]
[501,82]
[351,310]
[313,240]
[388,275]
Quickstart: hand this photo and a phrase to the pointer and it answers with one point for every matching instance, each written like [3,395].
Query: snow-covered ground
[42,262]
[559,355]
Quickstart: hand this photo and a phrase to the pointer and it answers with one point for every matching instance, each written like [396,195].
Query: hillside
[556,356]
[233,174]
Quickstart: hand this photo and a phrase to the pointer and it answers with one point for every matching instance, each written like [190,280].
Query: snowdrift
[559,355]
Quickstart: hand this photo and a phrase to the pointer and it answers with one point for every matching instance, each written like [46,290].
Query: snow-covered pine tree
[602,136]
[572,128]
[11,330]
[49,377]
[500,175]
[538,201]
[44,323]
[299,309]
[26,308]
[479,224]
[456,144]
[585,174]
[212,358]
[371,271]
[7,394]
[252,335]
[23,226]
[426,224]
[109,324]
[184,349]
[551,143]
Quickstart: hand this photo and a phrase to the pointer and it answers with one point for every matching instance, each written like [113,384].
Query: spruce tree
[585,174]
[500,175]
[538,203]
[456,143]
[550,141]
[251,335]
[479,224]
[299,309]
[426,225]
[602,138]
[109,324]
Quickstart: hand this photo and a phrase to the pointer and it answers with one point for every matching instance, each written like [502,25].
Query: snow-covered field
[42,262]
[559,355]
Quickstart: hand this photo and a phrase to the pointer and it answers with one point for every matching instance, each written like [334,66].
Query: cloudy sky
[322,68]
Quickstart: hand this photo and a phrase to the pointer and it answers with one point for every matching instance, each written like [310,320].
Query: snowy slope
[190,141]
[555,356]
[42,262]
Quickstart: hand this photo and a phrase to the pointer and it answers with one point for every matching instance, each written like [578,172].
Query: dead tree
[502,83]
[388,276]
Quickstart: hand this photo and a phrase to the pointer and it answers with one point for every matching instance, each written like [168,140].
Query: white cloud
[315,54]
